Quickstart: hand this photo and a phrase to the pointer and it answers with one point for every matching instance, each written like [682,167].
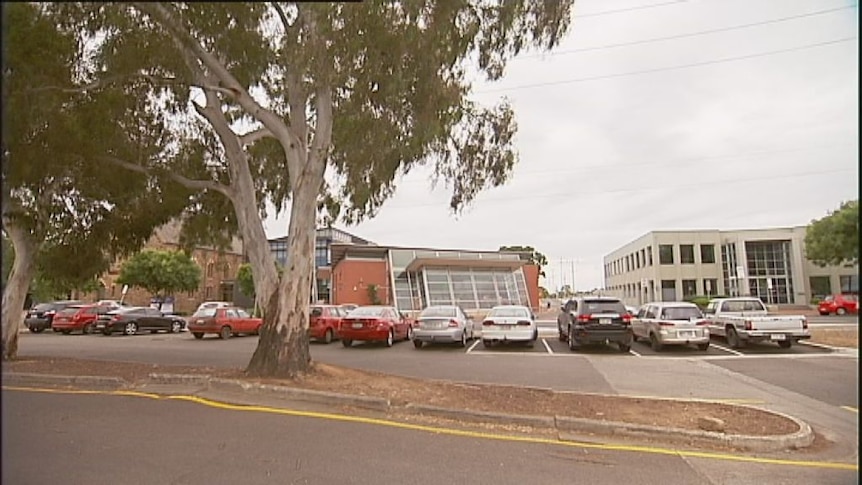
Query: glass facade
[728,268]
[769,272]
[469,287]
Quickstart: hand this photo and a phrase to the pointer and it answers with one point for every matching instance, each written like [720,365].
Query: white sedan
[509,323]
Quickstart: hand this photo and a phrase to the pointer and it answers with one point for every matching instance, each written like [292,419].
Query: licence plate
[686,334]
[357,325]
[779,336]
[506,327]
[605,321]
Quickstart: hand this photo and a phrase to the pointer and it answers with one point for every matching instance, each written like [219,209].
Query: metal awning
[419,263]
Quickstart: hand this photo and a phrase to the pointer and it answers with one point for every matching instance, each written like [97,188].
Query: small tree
[161,272]
[373,295]
[834,239]
[536,257]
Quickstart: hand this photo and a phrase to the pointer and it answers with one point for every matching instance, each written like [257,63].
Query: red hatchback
[224,322]
[374,323]
[838,304]
[325,322]
[78,318]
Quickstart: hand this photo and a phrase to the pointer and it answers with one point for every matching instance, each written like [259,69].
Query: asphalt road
[86,439]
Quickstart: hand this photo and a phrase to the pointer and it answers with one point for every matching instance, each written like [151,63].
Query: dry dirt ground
[491,398]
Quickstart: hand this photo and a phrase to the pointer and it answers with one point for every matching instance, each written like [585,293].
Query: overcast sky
[751,126]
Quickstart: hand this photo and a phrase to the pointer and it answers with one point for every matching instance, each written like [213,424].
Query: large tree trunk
[15,292]
[282,350]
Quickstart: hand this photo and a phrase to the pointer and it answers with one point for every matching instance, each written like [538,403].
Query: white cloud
[770,140]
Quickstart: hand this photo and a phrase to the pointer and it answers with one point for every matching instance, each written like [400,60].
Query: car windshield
[604,306]
[509,312]
[681,313]
[437,311]
[367,311]
[69,311]
[205,312]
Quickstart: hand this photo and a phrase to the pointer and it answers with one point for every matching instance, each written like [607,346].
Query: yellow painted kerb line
[446,431]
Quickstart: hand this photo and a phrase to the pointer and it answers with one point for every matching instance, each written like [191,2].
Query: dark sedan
[132,320]
[41,316]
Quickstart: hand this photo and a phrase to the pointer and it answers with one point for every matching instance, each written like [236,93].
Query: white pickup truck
[746,319]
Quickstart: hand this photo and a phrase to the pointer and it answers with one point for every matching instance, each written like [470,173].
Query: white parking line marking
[470,348]
[720,347]
[851,409]
[632,351]
[548,347]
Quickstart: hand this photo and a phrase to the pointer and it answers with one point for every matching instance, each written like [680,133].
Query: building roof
[450,257]
[336,235]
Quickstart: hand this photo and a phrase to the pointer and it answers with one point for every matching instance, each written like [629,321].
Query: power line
[629,9]
[683,36]
[671,68]
[573,194]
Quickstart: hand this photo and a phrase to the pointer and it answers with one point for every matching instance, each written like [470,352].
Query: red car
[374,323]
[325,322]
[837,304]
[224,322]
[78,318]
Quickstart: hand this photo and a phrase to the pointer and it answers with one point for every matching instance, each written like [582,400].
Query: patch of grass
[836,337]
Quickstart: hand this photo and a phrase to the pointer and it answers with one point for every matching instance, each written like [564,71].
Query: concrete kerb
[801,438]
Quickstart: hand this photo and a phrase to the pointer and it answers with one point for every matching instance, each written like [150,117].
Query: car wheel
[785,344]
[176,327]
[131,328]
[463,342]
[703,346]
[390,338]
[654,343]
[198,335]
[409,333]
[225,333]
[417,344]
[346,342]
[573,343]
[88,329]
[561,336]
[840,311]
[733,339]
[327,337]
[624,348]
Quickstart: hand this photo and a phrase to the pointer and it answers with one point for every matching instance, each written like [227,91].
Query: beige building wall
[630,276]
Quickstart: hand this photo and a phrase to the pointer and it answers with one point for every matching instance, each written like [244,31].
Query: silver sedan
[445,323]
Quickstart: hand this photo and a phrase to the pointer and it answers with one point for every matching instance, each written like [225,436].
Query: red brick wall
[531,278]
[350,280]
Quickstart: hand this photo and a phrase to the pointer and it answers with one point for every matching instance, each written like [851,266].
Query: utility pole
[573,275]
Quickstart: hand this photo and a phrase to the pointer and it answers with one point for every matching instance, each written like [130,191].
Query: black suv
[595,320]
[40,316]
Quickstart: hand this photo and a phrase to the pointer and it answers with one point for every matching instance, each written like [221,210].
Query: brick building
[218,274]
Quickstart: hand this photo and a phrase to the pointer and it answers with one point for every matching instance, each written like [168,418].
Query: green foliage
[162,273]
[373,295]
[536,257]
[700,301]
[834,239]
[245,278]
[815,300]
[543,292]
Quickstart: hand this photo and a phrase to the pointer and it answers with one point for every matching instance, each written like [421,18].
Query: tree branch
[183,180]
[253,136]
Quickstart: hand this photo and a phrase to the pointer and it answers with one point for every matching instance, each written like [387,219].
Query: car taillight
[49,312]
[804,323]
[748,324]
[665,324]
[453,323]
[523,322]
[627,319]
[702,322]
[487,322]
[584,318]
[115,318]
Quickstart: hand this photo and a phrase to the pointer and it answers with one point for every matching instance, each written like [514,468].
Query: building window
[707,253]
[665,254]
[686,253]
[850,284]
[649,255]
[668,290]
[225,270]
[210,267]
[769,271]
[710,286]
[689,289]
[820,286]
[209,293]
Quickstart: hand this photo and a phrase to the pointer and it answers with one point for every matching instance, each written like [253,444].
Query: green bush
[700,301]
[815,300]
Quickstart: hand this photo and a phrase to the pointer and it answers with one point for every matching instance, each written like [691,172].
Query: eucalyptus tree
[320,106]
[834,238]
[66,215]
